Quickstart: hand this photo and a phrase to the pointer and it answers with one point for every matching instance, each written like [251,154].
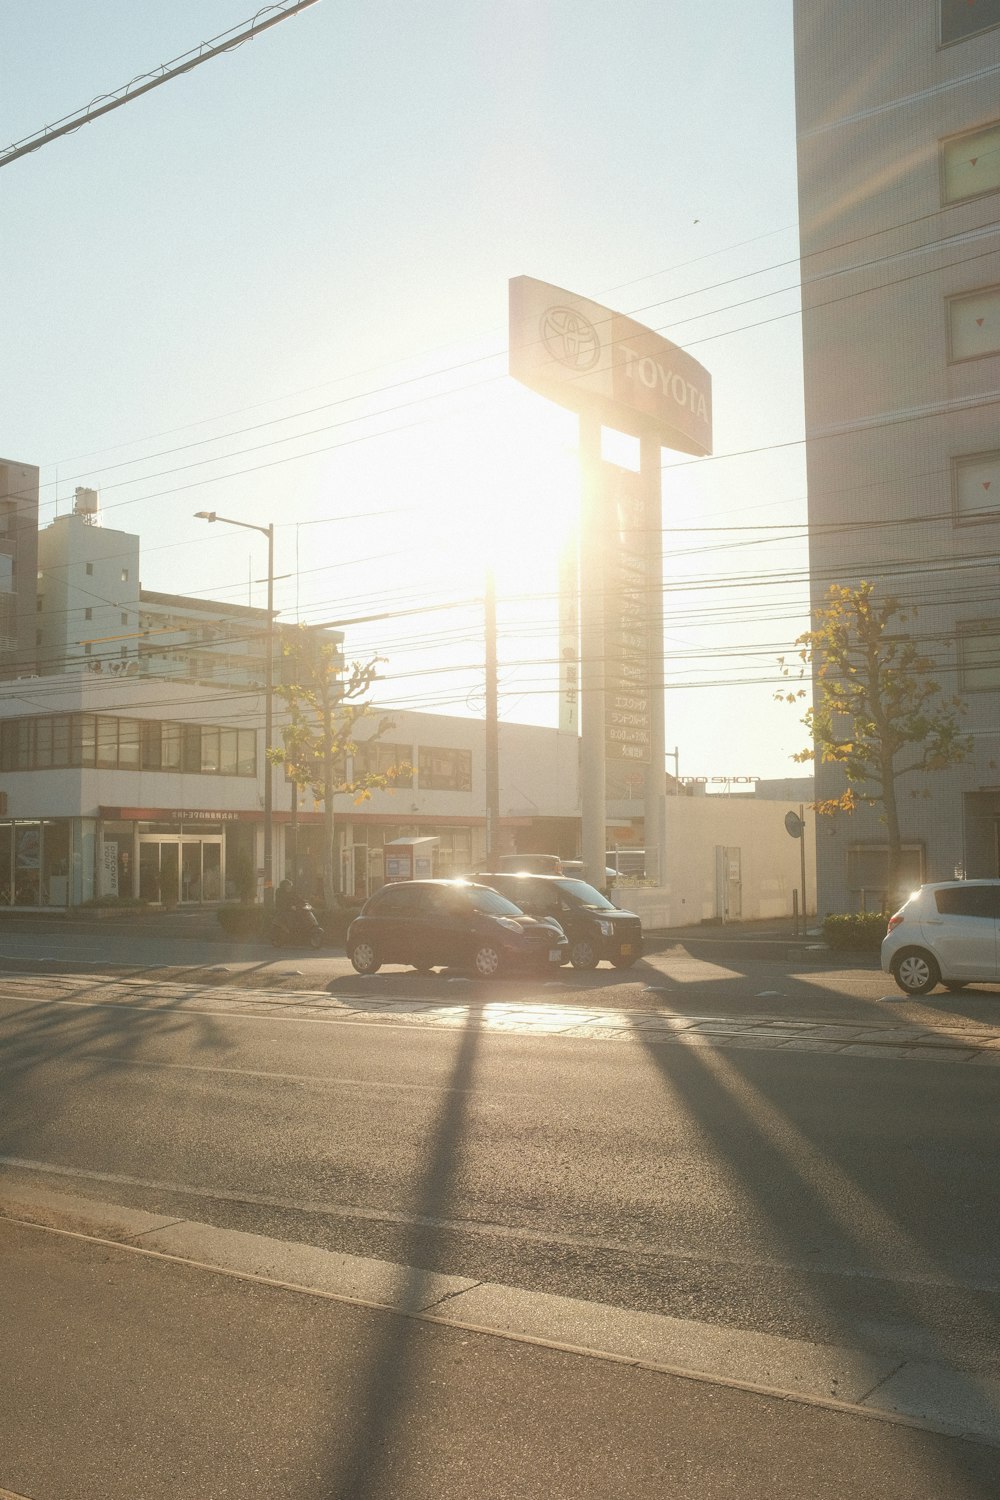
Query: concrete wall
[769,862]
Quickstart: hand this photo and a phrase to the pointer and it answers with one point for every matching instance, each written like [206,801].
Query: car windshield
[491,903]
[586,895]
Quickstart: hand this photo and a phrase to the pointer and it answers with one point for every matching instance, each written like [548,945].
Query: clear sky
[277,288]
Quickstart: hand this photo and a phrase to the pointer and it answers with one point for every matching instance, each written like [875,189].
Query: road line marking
[319,1078]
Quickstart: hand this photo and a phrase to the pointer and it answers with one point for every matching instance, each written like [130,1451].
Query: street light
[268,531]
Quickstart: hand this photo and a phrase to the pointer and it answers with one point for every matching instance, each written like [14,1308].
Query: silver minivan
[947,934]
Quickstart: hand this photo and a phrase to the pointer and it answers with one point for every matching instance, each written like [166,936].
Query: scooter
[299,925]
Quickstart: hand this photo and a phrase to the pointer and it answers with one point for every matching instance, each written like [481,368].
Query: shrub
[335,920]
[101,902]
[242,921]
[861,931]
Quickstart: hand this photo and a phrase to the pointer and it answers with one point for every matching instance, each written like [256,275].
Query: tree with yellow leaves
[877,712]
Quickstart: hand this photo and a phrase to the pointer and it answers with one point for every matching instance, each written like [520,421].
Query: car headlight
[606,928]
[510,924]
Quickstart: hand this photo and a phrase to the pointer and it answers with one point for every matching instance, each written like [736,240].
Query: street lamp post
[268,531]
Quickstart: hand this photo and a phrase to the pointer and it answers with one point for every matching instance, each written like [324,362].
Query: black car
[595,927]
[455,923]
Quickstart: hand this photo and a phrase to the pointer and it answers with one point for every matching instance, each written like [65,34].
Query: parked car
[596,929]
[535,864]
[574,867]
[945,933]
[458,923]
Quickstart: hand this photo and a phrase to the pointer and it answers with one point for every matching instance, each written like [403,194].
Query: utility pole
[492,723]
[268,531]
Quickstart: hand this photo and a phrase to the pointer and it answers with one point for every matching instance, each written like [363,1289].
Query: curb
[878,1386]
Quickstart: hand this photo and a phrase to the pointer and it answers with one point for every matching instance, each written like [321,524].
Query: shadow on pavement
[391,1388]
[84,1038]
[761,1128]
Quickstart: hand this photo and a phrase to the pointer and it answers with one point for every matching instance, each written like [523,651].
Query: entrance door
[180,867]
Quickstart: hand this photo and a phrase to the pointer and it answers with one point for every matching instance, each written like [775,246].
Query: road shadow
[389,1389]
[808,1184]
[52,1048]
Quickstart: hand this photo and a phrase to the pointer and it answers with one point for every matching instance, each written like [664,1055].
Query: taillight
[894,921]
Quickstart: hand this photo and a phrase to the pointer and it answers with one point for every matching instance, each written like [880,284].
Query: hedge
[858,930]
[253,924]
[242,921]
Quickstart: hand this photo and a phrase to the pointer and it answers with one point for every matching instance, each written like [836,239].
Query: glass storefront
[35,862]
[180,868]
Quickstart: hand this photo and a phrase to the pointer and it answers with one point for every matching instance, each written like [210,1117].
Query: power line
[105,103]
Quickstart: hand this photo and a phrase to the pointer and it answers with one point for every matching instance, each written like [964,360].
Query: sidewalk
[142,1376]
[137,1378]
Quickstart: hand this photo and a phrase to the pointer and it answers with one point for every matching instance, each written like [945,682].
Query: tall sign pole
[593,696]
[616,373]
[655,820]
[492,725]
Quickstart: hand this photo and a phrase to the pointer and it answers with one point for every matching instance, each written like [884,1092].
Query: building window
[970,164]
[124,618]
[975,487]
[38,604]
[90,570]
[868,873]
[50,741]
[964,18]
[979,656]
[87,648]
[88,614]
[381,758]
[444,770]
[974,324]
[124,575]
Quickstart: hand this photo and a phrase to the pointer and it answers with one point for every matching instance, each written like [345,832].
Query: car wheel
[486,961]
[583,954]
[364,957]
[915,971]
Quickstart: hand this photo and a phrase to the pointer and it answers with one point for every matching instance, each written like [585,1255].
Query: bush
[242,921]
[862,931]
[102,902]
[335,920]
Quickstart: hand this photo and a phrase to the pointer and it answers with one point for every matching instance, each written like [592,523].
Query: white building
[132,765]
[898,116]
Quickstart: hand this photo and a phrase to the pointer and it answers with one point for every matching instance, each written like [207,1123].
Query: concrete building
[898,119]
[132,765]
[18,566]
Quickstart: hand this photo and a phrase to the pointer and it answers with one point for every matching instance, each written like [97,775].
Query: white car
[947,934]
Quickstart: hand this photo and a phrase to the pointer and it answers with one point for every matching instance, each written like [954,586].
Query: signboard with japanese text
[627,651]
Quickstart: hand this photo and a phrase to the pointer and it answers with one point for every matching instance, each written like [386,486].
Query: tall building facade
[18,566]
[898,123]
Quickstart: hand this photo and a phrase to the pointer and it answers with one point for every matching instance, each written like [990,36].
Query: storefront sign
[589,358]
[176,815]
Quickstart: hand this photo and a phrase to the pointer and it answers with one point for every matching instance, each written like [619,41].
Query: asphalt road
[789,1192]
[773,1165]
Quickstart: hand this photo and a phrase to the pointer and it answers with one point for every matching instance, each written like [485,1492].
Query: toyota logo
[570,338]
